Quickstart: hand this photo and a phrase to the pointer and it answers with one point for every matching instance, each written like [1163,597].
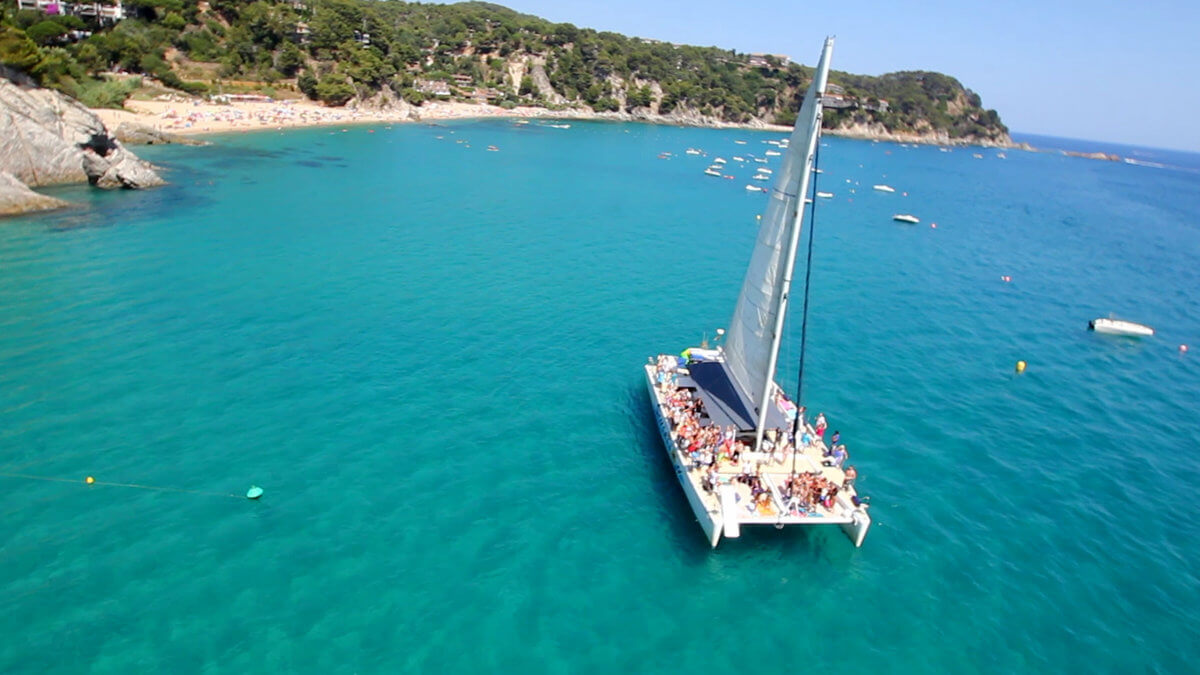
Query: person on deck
[851,475]
[839,455]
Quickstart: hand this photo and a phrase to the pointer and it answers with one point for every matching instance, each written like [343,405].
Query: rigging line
[812,222]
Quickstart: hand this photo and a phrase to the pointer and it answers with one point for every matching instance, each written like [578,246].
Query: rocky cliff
[47,138]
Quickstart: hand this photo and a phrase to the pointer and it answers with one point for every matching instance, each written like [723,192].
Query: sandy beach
[194,116]
[199,117]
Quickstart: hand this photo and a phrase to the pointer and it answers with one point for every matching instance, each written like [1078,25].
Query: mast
[812,122]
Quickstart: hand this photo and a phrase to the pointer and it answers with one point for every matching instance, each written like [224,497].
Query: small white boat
[713,172]
[760,176]
[740,142]
[825,195]
[885,188]
[755,188]
[1119,327]
[906,218]
[771,153]
[760,160]
[692,151]
[719,160]
[763,169]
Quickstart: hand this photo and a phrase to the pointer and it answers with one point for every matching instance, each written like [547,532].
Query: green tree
[17,50]
[290,59]
[46,32]
[527,86]
[640,97]
[334,90]
[307,84]
[174,21]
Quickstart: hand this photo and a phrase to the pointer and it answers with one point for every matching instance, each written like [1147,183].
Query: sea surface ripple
[429,356]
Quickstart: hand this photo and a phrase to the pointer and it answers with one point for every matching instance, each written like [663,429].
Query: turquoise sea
[429,355]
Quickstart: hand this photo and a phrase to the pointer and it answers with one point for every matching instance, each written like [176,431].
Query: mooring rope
[89,481]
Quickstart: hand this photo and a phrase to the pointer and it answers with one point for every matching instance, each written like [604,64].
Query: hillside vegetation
[337,51]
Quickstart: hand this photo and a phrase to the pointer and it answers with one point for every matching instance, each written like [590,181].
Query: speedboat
[885,188]
[906,218]
[825,195]
[1119,327]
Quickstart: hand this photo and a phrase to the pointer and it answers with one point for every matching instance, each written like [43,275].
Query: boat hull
[1119,327]
[709,522]
[720,515]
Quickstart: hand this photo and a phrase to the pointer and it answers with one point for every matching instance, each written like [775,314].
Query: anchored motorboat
[1120,327]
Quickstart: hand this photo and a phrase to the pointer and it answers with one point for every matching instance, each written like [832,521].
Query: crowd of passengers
[707,446]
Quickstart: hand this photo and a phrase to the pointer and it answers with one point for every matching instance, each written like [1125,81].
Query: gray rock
[16,198]
[48,138]
[133,133]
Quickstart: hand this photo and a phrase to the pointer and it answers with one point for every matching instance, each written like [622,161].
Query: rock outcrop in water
[48,138]
[133,133]
[16,198]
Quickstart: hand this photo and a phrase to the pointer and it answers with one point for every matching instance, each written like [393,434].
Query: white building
[105,12]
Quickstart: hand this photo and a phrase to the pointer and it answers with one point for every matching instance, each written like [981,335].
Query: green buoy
[254,492]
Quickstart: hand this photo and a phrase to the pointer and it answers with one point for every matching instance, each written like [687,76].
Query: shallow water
[429,356]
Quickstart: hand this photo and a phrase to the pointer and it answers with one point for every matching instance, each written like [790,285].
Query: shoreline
[186,117]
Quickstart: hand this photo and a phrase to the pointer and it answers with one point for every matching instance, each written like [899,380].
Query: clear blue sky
[1123,72]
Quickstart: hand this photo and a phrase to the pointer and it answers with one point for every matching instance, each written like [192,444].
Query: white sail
[752,342]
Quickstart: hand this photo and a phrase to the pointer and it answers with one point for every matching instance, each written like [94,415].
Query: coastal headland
[49,138]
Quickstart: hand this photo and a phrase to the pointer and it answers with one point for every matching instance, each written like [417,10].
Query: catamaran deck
[732,504]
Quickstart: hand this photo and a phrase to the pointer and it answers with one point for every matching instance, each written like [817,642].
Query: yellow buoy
[89,480]
[1020,366]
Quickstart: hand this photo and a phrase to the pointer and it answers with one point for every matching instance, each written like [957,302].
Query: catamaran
[740,448]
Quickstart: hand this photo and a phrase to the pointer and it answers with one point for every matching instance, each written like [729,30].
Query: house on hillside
[301,34]
[103,12]
[838,101]
[485,94]
[432,87]
[769,60]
